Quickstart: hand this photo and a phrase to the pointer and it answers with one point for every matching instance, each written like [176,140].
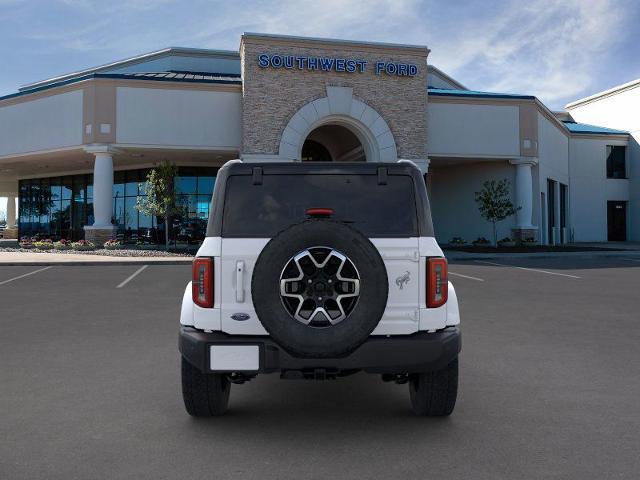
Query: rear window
[281,200]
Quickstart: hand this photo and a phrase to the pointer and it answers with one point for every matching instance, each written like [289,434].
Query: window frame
[608,151]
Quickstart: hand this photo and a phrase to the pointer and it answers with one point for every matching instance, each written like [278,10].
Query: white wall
[189,118]
[464,129]
[620,111]
[452,195]
[589,189]
[553,163]
[42,124]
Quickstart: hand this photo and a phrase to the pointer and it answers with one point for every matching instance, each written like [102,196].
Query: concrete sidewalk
[37,259]
[455,255]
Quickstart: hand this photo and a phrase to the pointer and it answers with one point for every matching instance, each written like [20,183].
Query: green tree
[494,203]
[160,199]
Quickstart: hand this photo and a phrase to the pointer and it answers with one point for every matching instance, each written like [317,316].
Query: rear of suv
[317,271]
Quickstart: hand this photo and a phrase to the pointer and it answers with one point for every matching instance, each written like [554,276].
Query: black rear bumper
[419,352]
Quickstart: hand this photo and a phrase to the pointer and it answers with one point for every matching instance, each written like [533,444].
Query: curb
[553,255]
[93,263]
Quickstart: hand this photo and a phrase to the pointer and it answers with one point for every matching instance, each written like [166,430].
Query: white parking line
[25,275]
[529,269]
[132,276]
[466,276]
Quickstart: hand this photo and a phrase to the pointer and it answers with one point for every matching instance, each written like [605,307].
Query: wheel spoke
[318,289]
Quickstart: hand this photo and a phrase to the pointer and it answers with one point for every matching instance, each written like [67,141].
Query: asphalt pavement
[549,385]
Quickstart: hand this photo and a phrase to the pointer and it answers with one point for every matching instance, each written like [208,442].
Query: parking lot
[549,386]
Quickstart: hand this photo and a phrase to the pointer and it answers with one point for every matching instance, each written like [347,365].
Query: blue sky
[557,50]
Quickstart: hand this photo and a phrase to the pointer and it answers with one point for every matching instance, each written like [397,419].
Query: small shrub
[457,241]
[45,244]
[113,244]
[83,245]
[26,242]
[62,245]
[481,241]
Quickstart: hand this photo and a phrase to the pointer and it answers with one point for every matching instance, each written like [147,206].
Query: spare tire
[319,288]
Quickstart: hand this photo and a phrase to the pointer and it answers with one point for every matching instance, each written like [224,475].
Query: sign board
[335,64]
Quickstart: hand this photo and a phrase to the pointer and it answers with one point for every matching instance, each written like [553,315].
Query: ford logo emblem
[240,317]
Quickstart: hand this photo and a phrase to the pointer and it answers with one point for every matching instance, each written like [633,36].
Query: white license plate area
[233,358]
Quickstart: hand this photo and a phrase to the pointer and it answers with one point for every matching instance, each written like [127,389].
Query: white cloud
[545,48]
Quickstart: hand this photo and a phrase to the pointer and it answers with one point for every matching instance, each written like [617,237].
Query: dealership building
[74,149]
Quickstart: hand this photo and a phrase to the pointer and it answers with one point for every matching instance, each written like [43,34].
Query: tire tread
[433,394]
[204,395]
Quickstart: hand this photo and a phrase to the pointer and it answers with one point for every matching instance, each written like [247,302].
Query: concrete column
[524,197]
[102,190]
[11,212]
[102,229]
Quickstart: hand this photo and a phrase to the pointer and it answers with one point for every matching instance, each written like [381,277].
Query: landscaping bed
[125,252]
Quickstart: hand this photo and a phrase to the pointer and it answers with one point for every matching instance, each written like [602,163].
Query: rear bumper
[420,352]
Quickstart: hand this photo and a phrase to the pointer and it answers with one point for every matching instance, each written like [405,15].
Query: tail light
[320,212]
[202,282]
[437,282]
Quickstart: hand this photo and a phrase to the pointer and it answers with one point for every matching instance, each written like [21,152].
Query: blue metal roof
[575,127]
[444,92]
[188,77]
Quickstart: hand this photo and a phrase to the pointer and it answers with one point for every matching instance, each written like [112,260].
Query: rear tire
[204,394]
[433,394]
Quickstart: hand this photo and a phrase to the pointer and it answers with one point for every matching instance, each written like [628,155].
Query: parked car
[317,271]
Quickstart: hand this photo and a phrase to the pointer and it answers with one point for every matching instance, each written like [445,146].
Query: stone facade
[272,96]
[524,234]
[99,236]
[9,233]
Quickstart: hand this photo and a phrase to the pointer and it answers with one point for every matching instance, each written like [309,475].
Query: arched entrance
[332,142]
[337,126]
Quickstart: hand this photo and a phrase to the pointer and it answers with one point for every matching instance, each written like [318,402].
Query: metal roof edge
[605,93]
[123,76]
[131,61]
[476,94]
[447,77]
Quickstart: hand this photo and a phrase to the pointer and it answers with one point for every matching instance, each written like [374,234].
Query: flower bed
[62,245]
[83,245]
[113,244]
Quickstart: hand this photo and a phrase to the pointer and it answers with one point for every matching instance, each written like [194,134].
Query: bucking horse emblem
[403,279]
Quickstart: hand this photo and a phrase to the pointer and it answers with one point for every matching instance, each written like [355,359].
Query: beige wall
[44,123]
[272,96]
[178,117]
[473,129]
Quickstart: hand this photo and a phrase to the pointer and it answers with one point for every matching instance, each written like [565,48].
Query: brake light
[437,282]
[320,212]
[202,282]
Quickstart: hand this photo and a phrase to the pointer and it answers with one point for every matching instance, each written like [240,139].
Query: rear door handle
[239,281]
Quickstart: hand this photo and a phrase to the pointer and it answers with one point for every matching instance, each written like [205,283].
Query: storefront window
[59,207]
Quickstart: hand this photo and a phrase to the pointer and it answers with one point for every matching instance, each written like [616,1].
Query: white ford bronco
[318,271]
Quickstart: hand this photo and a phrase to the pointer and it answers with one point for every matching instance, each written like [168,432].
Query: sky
[557,50]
